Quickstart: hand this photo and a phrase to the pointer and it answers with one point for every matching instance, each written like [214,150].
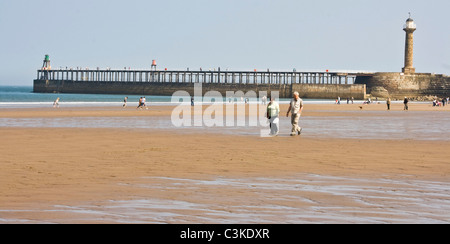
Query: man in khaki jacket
[295,108]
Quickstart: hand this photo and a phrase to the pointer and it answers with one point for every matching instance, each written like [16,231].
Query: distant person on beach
[56,103]
[125,102]
[273,110]
[192,101]
[388,103]
[405,102]
[264,100]
[295,108]
[144,103]
[141,104]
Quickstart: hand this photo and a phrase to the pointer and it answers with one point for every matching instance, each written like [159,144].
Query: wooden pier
[166,82]
[177,76]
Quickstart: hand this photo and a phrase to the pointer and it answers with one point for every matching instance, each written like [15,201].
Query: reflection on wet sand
[307,198]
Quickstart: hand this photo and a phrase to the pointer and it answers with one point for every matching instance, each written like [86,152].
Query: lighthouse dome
[410,24]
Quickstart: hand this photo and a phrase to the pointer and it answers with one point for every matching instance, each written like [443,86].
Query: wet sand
[110,111]
[135,175]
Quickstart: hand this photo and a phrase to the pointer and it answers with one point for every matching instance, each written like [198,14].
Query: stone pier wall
[399,85]
[330,91]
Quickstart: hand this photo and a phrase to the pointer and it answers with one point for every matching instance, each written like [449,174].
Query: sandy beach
[53,174]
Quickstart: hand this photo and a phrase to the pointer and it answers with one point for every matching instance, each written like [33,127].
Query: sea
[24,97]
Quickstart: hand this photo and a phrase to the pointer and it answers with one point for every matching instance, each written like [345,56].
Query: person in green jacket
[273,110]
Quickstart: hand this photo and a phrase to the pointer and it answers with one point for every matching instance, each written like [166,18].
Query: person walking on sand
[56,103]
[144,103]
[273,110]
[405,102]
[264,100]
[125,102]
[388,103]
[140,103]
[295,108]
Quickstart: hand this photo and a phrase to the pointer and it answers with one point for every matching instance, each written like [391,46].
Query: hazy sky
[233,34]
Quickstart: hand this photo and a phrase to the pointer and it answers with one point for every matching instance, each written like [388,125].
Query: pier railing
[177,76]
